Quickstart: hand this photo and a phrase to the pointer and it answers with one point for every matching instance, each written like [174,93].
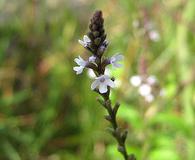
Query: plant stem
[119,135]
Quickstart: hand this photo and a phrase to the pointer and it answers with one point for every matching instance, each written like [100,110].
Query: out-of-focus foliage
[47,112]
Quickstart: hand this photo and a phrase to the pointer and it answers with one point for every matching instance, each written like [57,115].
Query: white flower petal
[80,61]
[144,89]
[107,72]
[103,81]
[82,43]
[91,73]
[102,76]
[78,69]
[77,60]
[117,65]
[86,39]
[119,57]
[103,88]
[110,83]
[135,80]
[95,84]
[106,76]
[99,77]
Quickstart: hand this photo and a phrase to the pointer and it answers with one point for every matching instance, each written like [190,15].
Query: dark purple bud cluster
[97,34]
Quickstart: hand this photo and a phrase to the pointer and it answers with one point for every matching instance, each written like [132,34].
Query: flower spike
[95,42]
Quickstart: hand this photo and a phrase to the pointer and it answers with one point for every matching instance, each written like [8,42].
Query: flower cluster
[95,42]
[147,86]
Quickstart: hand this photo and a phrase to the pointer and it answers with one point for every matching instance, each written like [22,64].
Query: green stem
[119,135]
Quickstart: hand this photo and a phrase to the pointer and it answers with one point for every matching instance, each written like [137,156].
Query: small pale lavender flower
[85,42]
[102,82]
[92,59]
[114,60]
[81,65]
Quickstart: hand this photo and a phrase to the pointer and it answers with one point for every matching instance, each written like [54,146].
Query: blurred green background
[47,112]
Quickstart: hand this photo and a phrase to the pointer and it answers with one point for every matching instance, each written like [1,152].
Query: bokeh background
[47,112]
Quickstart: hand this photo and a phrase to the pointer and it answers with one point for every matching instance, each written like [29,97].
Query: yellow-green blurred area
[47,112]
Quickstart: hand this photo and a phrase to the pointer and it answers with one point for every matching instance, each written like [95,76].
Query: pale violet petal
[82,43]
[112,60]
[106,76]
[115,59]
[92,59]
[103,88]
[110,83]
[95,84]
[117,65]
[98,78]
[103,76]
[77,60]
[78,69]
[86,39]
[119,57]
[80,61]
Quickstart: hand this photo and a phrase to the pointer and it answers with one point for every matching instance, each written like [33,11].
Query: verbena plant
[95,42]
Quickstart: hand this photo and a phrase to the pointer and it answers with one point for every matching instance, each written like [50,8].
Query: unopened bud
[107,117]
[124,135]
[96,33]
[97,41]
[111,130]
[116,106]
